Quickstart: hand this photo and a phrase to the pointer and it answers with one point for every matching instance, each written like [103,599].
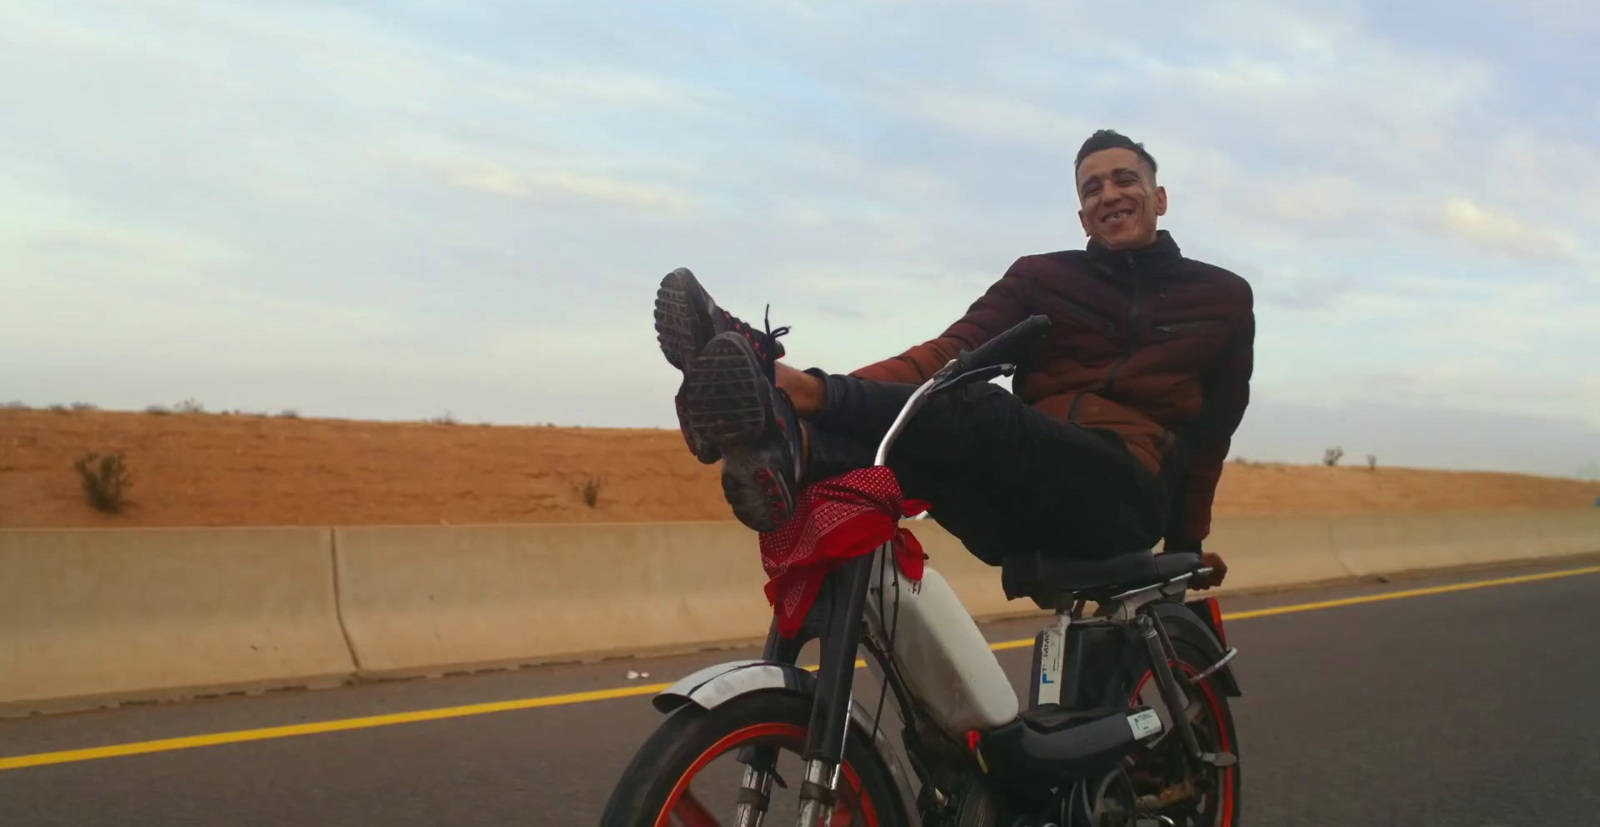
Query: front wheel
[686,774]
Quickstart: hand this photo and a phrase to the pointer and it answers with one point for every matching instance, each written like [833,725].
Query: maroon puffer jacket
[1150,345]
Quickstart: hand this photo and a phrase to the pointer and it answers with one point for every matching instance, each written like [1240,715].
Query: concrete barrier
[1564,533]
[429,600]
[1392,543]
[1267,551]
[99,616]
[433,600]
[94,615]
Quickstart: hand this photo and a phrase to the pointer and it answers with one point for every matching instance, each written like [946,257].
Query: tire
[1214,728]
[650,791]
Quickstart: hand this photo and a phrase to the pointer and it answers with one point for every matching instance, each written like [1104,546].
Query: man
[1115,437]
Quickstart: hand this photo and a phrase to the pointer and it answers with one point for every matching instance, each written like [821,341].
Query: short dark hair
[1112,139]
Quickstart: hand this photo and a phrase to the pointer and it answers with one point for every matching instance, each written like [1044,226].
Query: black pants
[1001,476]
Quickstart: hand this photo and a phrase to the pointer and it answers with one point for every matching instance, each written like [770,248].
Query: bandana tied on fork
[835,520]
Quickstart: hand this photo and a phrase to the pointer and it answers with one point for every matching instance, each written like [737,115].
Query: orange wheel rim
[682,803]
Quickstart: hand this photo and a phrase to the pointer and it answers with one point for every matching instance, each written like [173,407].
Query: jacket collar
[1151,258]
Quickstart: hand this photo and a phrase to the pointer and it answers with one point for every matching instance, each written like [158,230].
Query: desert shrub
[1332,456]
[85,406]
[289,413]
[158,410]
[590,491]
[446,419]
[1372,462]
[105,480]
[190,405]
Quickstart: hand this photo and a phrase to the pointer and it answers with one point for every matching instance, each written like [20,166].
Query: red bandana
[836,519]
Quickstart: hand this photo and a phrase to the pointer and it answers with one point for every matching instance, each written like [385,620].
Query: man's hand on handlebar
[1219,571]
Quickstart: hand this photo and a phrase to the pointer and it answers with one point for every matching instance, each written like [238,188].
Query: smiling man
[1113,441]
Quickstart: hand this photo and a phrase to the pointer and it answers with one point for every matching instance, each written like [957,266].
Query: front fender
[713,686]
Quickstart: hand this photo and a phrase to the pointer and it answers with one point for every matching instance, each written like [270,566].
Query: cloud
[330,200]
[1505,233]
[490,178]
[1522,349]
[996,118]
[499,180]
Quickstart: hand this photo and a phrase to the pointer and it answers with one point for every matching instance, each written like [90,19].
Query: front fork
[1159,648]
[845,594]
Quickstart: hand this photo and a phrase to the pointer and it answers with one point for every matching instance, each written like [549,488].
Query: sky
[395,210]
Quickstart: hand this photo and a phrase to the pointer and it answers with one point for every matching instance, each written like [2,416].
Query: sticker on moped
[1144,723]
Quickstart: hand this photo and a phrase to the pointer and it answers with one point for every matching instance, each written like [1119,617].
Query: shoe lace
[765,341]
[772,335]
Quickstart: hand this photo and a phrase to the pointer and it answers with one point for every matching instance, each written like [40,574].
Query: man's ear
[1084,220]
[1161,200]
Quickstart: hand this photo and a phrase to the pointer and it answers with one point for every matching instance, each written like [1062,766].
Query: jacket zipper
[1131,340]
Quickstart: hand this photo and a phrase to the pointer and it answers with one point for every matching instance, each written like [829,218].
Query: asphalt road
[1469,708]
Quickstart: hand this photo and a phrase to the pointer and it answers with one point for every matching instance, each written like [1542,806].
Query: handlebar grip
[1006,348]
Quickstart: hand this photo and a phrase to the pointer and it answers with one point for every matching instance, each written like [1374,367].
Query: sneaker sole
[681,333]
[728,403]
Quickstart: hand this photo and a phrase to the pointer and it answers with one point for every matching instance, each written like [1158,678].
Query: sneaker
[729,402]
[686,320]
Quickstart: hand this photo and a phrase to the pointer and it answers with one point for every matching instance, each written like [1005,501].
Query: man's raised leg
[777,428]
[731,406]
[728,402]
[686,320]
[809,393]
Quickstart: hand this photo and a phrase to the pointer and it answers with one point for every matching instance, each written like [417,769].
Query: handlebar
[1006,348]
[990,359]
[996,357]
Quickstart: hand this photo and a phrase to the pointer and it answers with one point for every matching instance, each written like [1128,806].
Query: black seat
[1046,578]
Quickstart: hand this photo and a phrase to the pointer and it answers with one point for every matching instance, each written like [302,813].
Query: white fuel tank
[939,651]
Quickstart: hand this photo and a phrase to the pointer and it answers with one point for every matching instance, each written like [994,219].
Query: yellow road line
[1399,595]
[240,736]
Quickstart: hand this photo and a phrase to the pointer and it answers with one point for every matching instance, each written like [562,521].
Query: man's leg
[686,320]
[998,473]
[808,391]
[966,506]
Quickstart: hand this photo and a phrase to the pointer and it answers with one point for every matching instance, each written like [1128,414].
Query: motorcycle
[1127,720]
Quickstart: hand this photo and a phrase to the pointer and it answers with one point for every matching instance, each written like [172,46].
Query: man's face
[1119,200]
